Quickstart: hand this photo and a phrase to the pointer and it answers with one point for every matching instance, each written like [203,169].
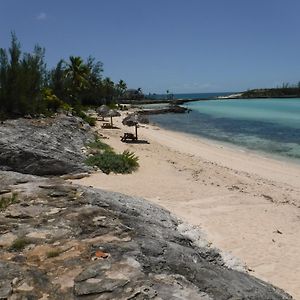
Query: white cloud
[41,16]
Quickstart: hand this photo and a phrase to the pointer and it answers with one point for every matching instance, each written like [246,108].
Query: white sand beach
[247,204]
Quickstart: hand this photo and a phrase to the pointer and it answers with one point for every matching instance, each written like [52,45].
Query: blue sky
[179,45]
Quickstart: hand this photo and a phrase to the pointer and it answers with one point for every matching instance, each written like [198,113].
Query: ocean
[269,126]
[191,95]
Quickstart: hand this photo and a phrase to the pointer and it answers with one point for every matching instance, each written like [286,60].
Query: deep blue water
[265,125]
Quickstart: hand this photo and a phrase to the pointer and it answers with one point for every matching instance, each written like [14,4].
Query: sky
[183,46]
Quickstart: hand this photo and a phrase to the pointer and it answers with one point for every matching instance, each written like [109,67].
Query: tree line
[27,86]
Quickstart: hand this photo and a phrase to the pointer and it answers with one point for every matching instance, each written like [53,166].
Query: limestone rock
[44,146]
[92,244]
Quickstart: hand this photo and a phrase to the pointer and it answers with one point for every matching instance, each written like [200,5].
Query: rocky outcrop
[61,241]
[48,146]
[170,109]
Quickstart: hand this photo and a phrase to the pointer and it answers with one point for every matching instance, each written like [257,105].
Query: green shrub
[53,253]
[90,120]
[110,161]
[19,244]
[97,144]
[112,105]
[53,103]
[6,201]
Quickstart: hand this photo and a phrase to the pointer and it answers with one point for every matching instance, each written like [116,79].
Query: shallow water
[266,125]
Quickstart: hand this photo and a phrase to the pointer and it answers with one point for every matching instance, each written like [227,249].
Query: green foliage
[6,201]
[112,105]
[108,161]
[27,87]
[57,80]
[99,145]
[21,79]
[80,113]
[285,91]
[51,100]
[19,244]
[53,253]
[90,120]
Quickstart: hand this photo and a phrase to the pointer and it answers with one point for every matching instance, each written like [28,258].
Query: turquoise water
[191,95]
[266,125]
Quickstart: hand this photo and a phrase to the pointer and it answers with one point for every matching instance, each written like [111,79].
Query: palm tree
[77,73]
[121,86]
[109,88]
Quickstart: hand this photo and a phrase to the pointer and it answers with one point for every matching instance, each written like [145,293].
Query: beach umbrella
[134,120]
[102,110]
[112,113]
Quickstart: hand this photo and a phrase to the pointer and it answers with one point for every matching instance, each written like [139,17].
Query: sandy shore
[247,204]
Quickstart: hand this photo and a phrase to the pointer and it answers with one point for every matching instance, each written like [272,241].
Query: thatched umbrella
[102,110]
[112,113]
[134,120]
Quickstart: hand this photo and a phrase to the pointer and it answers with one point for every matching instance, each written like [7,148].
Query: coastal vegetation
[6,201]
[19,244]
[285,91]
[27,86]
[107,160]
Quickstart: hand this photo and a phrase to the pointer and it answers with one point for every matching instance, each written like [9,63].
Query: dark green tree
[109,90]
[22,78]
[58,81]
[121,87]
[95,91]
[76,78]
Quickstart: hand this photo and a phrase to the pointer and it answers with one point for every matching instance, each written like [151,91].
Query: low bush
[98,144]
[108,161]
[90,120]
[53,253]
[19,244]
[6,201]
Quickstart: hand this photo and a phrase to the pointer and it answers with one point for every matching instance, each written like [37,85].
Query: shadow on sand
[136,142]
[110,127]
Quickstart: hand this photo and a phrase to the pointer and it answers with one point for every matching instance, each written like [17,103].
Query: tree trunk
[136,136]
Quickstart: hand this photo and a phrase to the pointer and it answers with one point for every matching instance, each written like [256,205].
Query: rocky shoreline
[63,241]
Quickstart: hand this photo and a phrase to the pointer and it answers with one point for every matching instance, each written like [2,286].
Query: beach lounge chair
[128,136]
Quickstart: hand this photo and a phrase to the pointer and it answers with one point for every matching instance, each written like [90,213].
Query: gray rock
[93,244]
[5,290]
[98,286]
[44,146]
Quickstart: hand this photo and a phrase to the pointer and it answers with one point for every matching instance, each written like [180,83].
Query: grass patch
[108,161]
[78,110]
[19,244]
[7,201]
[52,253]
[99,145]
[90,120]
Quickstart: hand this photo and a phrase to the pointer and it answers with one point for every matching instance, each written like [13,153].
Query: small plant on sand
[6,201]
[53,253]
[99,145]
[90,120]
[109,161]
[19,244]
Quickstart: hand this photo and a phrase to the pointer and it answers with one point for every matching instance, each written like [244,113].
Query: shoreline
[181,101]
[240,200]
[235,147]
